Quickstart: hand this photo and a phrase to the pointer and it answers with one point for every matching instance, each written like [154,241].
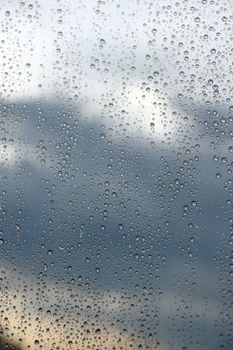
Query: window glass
[116,158]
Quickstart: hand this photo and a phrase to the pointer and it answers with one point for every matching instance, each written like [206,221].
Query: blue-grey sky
[115,174]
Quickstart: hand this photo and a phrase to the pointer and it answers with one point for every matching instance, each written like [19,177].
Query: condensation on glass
[116,158]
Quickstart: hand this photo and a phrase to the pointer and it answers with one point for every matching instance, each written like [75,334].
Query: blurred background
[116,159]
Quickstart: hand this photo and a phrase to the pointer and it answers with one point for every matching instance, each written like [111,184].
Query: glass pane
[116,145]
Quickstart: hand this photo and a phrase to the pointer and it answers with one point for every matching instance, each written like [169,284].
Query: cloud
[55,313]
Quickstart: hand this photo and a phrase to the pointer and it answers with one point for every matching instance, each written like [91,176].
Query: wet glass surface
[116,157]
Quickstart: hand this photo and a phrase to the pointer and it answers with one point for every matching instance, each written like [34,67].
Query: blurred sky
[115,136]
